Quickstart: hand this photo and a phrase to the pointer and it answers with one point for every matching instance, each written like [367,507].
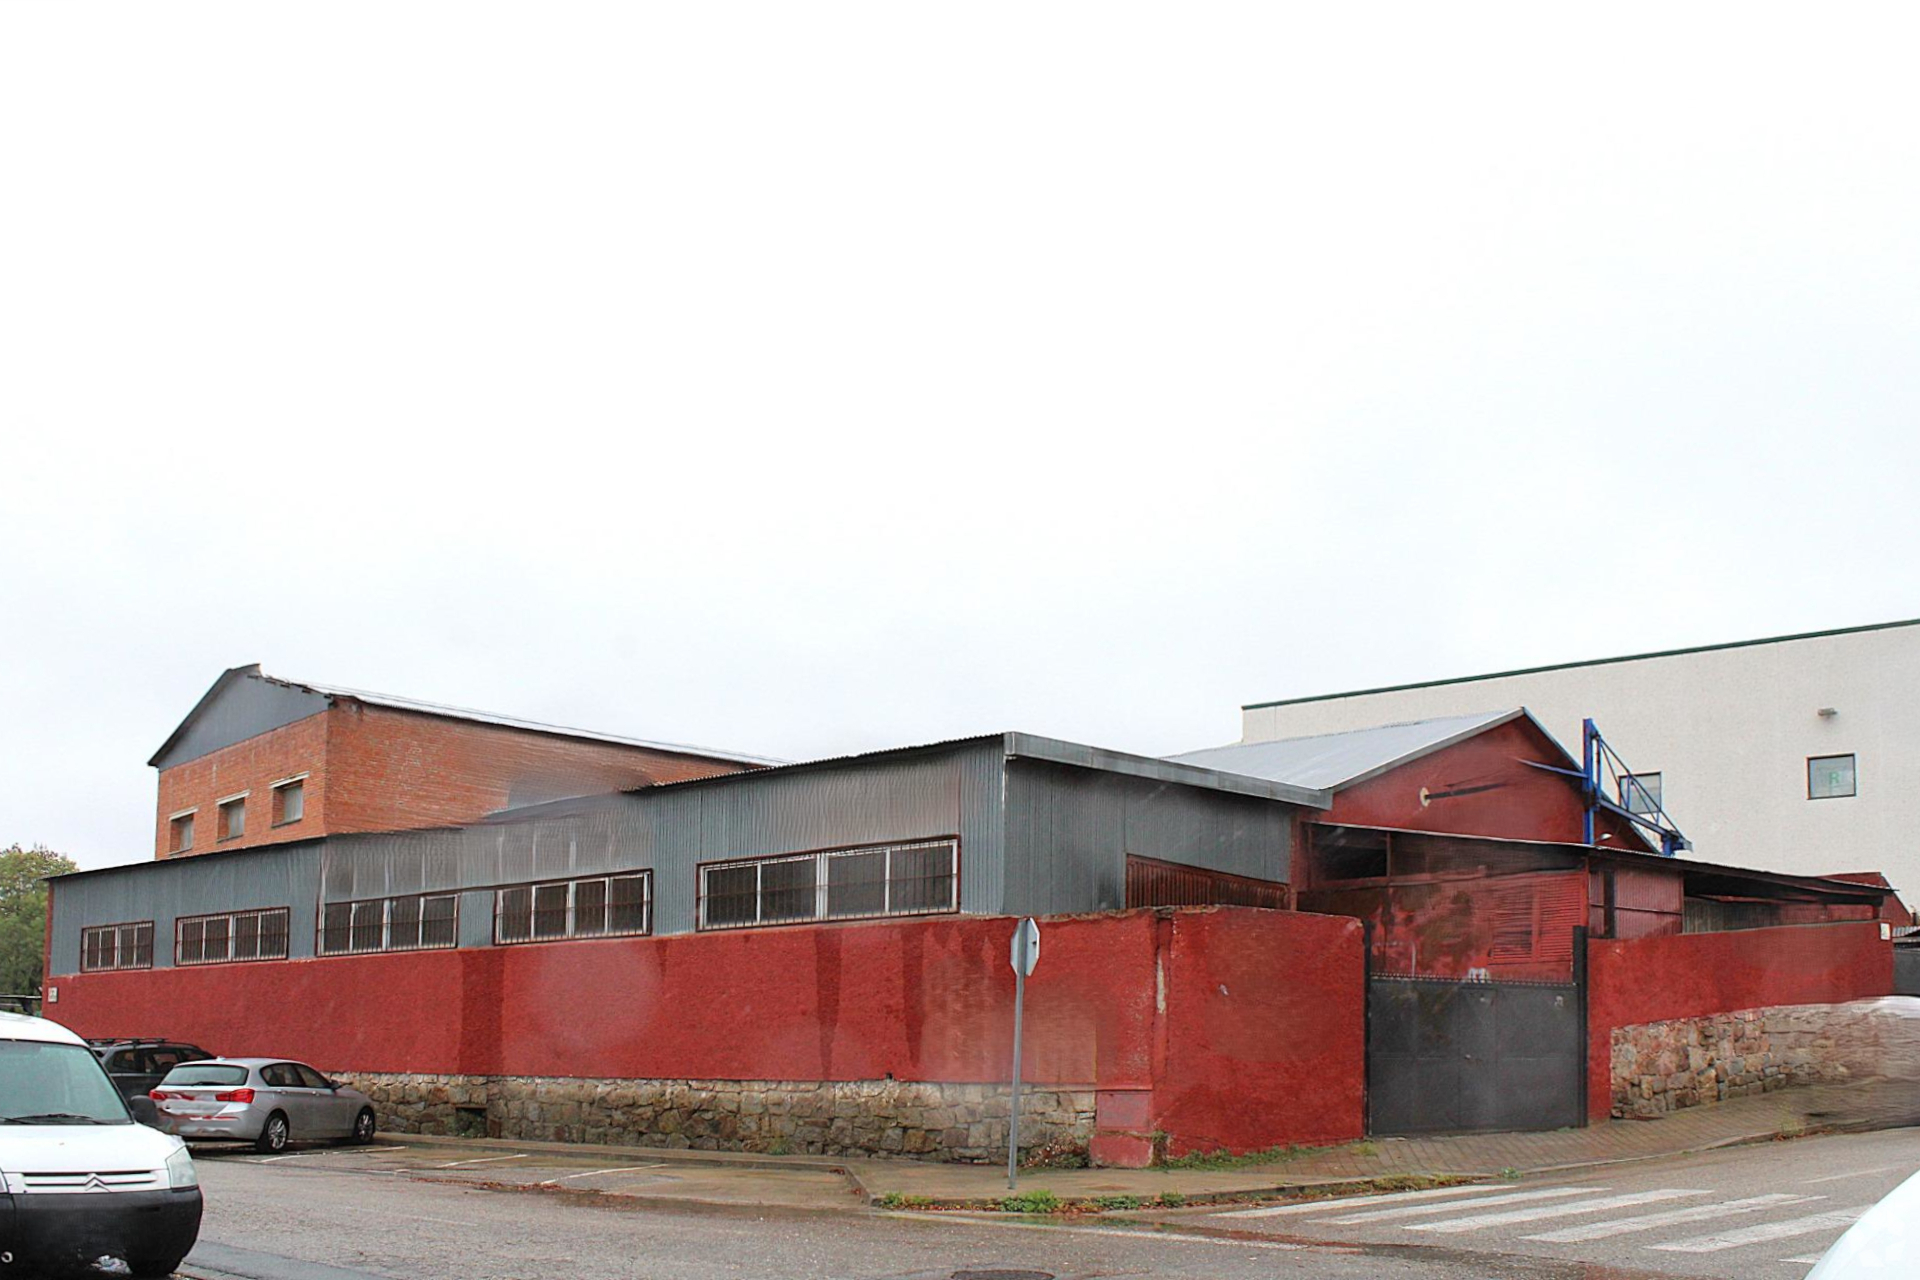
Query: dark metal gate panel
[1455,1057]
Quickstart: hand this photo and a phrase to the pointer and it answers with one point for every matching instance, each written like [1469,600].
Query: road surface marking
[1453,1226]
[455,1164]
[1837,1177]
[1172,1237]
[292,1155]
[1672,1217]
[445,1222]
[1354,1202]
[1765,1232]
[594,1173]
[1806,1259]
[1420,1210]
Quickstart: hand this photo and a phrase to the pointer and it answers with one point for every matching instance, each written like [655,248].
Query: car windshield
[206,1073]
[42,1083]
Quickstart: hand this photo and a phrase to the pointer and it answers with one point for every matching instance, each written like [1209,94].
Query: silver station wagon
[266,1101]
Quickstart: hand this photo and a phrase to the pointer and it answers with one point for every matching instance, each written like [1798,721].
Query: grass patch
[1106,1203]
[895,1200]
[1042,1201]
[1223,1159]
[1171,1200]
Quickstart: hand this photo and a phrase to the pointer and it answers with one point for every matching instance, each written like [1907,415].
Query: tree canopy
[23,915]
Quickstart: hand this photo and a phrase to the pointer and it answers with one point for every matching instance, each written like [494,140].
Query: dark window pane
[787,890]
[857,884]
[589,908]
[627,912]
[193,934]
[515,923]
[368,925]
[403,924]
[437,916]
[729,895]
[922,879]
[273,935]
[550,911]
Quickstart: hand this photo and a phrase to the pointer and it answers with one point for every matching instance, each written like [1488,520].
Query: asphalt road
[428,1214]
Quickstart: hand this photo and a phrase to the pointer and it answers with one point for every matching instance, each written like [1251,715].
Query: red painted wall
[917,1000]
[1688,975]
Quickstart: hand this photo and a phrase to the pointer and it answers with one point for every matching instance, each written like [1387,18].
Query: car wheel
[273,1135]
[363,1127]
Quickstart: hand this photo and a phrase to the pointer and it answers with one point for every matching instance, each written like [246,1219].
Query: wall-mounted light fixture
[1828,713]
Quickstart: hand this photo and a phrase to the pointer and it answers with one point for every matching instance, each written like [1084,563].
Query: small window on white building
[1640,792]
[233,818]
[1830,777]
[180,832]
[289,801]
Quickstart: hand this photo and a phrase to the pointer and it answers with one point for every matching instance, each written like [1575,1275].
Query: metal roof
[1587,662]
[445,712]
[1330,761]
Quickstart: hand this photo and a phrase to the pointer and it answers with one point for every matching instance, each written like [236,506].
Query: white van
[81,1176]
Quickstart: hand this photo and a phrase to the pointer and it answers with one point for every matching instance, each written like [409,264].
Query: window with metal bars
[409,922]
[117,946]
[231,936]
[920,878]
[593,907]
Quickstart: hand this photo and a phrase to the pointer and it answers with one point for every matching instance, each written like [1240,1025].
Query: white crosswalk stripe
[1765,1232]
[1354,1202]
[1671,1218]
[1423,1210]
[1477,1222]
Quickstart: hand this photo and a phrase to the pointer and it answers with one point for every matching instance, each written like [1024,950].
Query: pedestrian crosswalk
[1675,1220]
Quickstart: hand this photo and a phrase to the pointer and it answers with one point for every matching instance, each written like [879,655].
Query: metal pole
[1013,1109]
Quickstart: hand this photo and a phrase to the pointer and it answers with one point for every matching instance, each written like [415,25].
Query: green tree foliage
[23,915]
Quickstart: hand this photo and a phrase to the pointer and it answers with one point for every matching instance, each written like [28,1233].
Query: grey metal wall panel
[164,891]
[1906,971]
[247,707]
[1069,831]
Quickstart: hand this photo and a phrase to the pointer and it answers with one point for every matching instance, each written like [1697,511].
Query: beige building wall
[1729,729]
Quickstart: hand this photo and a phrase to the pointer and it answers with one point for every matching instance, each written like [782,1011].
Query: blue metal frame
[1597,758]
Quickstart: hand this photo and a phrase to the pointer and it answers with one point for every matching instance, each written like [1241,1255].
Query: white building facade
[1797,753]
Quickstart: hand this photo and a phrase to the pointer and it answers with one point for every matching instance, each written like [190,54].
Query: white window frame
[822,883]
[175,817]
[232,919]
[273,803]
[385,906]
[220,816]
[126,939]
[532,889]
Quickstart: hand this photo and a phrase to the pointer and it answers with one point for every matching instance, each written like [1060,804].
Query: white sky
[812,378]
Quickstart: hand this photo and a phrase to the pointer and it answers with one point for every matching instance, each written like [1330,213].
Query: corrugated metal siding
[1069,832]
[672,830]
[246,707]
[163,891]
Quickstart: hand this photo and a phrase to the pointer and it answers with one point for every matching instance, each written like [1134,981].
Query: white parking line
[1765,1232]
[1858,1173]
[1354,1202]
[594,1173]
[1423,1210]
[1454,1226]
[292,1155]
[1672,1217]
[1805,1259]
[455,1164]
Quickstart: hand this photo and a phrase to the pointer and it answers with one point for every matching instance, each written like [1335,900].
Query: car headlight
[180,1171]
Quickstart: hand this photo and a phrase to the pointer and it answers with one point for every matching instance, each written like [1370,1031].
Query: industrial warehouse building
[1796,753]
[728,953]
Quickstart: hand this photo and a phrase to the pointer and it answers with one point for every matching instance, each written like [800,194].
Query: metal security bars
[921,878]
[594,907]
[231,936]
[411,922]
[117,946]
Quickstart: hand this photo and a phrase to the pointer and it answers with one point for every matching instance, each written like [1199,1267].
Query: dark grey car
[266,1101]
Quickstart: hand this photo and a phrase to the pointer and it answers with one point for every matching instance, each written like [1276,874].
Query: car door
[339,1112]
[291,1095]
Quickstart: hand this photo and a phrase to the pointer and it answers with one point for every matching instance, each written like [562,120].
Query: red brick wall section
[1688,975]
[393,770]
[1259,1006]
[376,769]
[252,766]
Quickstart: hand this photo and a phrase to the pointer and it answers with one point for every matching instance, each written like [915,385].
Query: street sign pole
[1026,954]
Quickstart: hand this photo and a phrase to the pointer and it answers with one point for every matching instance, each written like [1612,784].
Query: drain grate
[1003,1275]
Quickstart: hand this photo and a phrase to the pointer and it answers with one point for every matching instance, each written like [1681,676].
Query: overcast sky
[810,378]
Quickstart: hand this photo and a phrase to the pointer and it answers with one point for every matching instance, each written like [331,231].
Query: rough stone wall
[855,1118]
[1690,1062]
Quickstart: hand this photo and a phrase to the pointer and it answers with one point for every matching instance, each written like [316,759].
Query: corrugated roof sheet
[1328,761]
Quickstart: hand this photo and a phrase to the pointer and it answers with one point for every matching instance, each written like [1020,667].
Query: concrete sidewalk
[1394,1161]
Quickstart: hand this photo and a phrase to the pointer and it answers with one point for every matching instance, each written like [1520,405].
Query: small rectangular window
[233,818]
[1640,792]
[1830,777]
[117,946]
[289,802]
[180,832]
